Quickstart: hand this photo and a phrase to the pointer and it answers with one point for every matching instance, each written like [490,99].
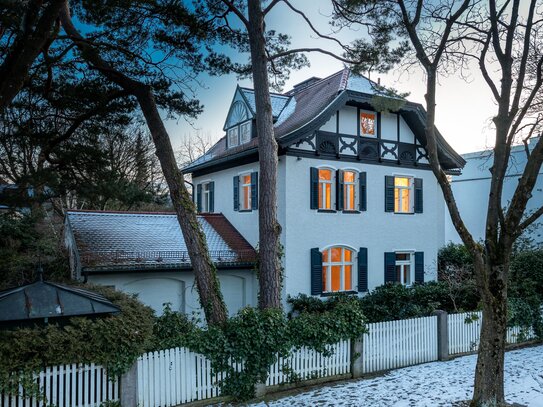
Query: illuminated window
[245,133]
[404,268]
[403,194]
[326,187]
[233,137]
[245,186]
[337,269]
[349,190]
[367,124]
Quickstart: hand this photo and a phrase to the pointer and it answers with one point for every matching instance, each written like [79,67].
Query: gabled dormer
[239,125]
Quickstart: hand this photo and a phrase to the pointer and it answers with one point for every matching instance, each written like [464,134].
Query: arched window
[337,269]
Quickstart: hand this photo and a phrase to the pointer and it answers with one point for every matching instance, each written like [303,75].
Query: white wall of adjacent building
[472,187]
[239,288]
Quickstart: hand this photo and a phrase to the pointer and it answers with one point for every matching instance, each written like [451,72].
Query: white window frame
[332,183]
[374,135]
[328,266]
[231,131]
[242,186]
[246,125]
[355,184]
[206,197]
[410,188]
[403,263]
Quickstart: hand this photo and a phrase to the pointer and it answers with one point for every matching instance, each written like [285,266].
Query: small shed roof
[44,299]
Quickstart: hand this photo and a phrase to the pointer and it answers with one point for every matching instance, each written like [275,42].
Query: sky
[464,107]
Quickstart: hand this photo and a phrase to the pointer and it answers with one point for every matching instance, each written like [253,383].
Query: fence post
[357,365]
[129,387]
[442,335]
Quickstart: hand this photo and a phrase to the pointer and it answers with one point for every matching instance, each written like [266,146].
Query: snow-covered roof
[105,239]
[278,102]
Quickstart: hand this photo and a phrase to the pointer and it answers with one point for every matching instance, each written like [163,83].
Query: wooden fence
[465,332]
[74,385]
[393,344]
[176,376]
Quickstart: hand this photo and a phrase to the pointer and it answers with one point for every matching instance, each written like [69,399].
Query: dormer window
[367,124]
[233,136]
[239,134]
[245,133]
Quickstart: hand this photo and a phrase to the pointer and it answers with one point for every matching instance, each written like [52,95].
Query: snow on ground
[431,384]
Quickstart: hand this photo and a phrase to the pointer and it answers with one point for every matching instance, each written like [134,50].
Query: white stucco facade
[472,187]
[304,228]
[239,288]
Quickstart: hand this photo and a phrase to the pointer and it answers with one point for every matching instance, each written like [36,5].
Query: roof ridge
[344,79]
[292,91]
[112,212]
[271,93]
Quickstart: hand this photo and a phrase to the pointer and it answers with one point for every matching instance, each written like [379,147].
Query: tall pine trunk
[205,273]
[269,228]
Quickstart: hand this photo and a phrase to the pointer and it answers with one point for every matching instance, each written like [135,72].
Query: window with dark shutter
[419,267]
[390,267]
[211,196]
[199,198]
[339,190]
[314,188]
[363,202]
[236,193]
[316,271]
[418,195]
[363,269]
[254,190]
[389,193]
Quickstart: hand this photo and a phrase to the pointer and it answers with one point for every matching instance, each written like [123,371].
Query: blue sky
[464,107]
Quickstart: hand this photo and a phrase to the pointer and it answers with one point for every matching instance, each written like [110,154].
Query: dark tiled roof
[43,299]
[306,103]
[143,240]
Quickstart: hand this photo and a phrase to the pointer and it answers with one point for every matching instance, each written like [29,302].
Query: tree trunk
[205,272]
[269,228]
[489,373]
[28,45]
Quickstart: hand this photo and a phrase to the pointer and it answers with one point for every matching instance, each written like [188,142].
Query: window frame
[360,129]
[411,194]
[332,182]
[248,125]
[229,132]
[402,264]
[242,187]
[206,197]
[327,269]
[355,189]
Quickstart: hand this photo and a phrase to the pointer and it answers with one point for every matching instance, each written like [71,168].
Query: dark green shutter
[236,193]
[339,190]
[199,197]
[211,188]
[254,190]
[418,195]
[389,193]
[363,269]
[390,267]
[314,188]
[419,267]
[316,272]
[363,201]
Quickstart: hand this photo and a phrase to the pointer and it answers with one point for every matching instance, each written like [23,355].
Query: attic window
[233,137]
[367,124]
[245,133]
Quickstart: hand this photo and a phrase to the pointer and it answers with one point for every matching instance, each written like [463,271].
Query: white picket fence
[305,364]
[393,344]
[73,385]
[175,376]
[465,332]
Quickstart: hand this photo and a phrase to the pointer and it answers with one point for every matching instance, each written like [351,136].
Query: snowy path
[432,384]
